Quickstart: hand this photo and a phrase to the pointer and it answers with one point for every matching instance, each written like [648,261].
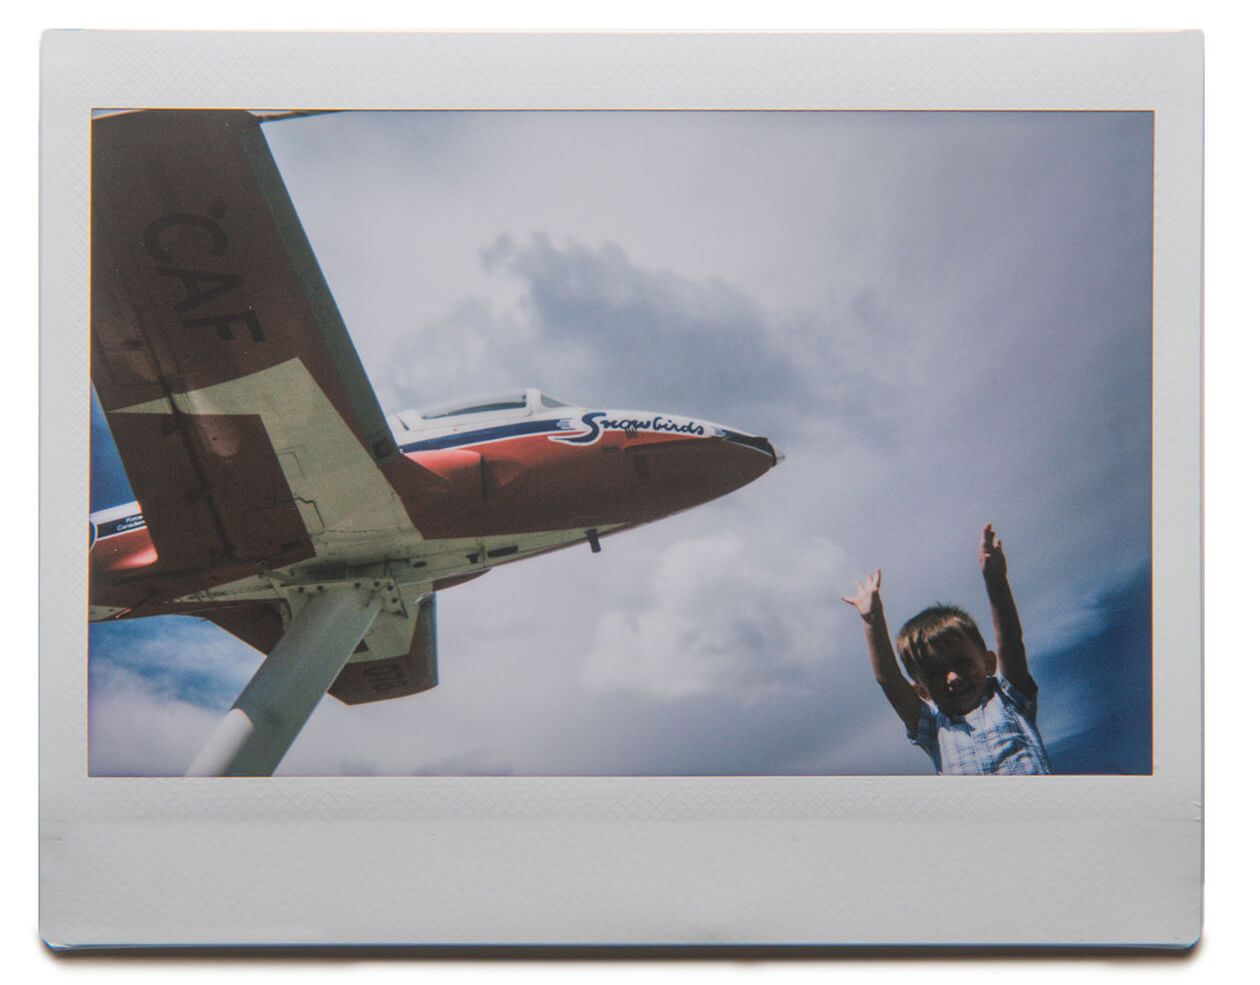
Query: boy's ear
[921,691]
[990,663]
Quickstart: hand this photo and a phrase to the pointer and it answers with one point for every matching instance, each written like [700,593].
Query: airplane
[274,498]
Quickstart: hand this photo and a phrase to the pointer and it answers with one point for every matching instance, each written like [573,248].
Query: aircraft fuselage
[487,483]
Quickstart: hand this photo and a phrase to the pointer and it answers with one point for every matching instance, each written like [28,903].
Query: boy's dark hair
[929,629]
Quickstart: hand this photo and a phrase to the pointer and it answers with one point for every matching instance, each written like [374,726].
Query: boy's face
[954,673]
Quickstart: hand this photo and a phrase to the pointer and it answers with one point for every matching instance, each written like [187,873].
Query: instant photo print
[620,490]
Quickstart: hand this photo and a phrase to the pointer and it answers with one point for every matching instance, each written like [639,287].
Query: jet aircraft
[274,497]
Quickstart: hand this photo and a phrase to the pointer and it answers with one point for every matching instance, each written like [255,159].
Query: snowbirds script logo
[597,422]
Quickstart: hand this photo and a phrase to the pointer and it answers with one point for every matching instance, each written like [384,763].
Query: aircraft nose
[677,474]
[759,444]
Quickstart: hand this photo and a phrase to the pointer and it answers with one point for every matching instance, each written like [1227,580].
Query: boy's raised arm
[1007,632]
[883,661]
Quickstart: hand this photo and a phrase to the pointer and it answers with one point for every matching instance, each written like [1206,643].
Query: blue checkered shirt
[997,736]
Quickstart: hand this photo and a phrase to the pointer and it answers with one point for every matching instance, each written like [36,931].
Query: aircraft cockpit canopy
[480,405]
[515,403]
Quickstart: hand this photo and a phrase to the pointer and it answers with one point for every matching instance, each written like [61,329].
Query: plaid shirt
[997,736]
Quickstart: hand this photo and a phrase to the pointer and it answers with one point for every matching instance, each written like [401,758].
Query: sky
[942,319]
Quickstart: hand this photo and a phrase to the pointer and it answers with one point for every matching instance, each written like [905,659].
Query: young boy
[956,710]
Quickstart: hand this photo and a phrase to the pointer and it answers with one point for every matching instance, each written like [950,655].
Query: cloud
[135,730]
[718,620]
[157,687]
[592,324]
[177,657]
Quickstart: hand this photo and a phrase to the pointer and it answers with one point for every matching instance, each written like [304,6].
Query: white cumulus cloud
[719,620]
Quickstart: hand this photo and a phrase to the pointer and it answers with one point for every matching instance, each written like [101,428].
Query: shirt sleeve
[1027,706]
[925,735]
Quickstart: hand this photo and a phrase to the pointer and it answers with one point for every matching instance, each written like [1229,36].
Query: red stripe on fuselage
[533,483]
[122,552]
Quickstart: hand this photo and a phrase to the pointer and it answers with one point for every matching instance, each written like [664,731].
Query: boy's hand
[1012,661]
[866,599]
[992,560]
[904,699]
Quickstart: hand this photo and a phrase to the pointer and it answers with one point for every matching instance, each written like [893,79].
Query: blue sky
[942,319]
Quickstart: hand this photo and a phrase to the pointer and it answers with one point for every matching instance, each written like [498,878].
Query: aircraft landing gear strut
[254,736]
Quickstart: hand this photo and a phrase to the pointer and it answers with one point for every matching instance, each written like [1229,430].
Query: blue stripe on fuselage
[518,430]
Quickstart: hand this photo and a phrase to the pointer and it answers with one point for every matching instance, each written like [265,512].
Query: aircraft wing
[245,422]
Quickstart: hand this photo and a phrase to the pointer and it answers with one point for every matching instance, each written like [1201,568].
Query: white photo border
[1104,861]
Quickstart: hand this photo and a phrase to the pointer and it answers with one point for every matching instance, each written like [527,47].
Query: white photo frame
[545,860]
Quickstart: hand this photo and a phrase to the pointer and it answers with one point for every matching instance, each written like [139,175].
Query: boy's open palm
[992,560]
[866,599]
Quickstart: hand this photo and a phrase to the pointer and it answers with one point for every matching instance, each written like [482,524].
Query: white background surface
[1230,255]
